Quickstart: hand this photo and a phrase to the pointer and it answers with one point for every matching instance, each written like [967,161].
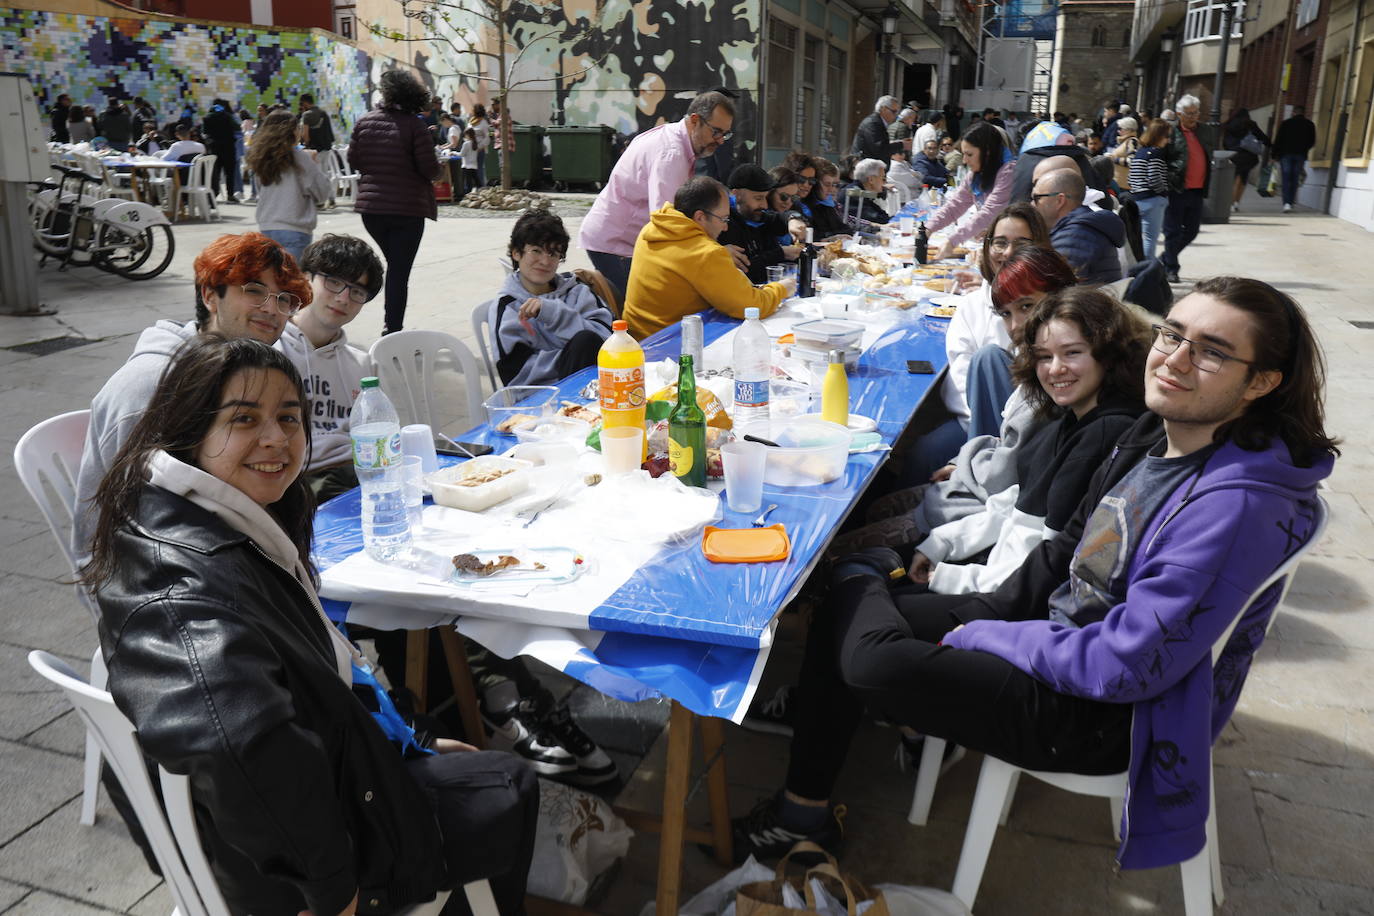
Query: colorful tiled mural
[170,63]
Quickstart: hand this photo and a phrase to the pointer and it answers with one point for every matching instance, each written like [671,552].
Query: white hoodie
[332,374]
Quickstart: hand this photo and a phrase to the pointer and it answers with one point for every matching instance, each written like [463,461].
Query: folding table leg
[464,693]
[417,667]
[713,749]
[675,780]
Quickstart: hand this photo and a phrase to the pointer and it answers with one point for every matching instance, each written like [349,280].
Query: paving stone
[1316,841]
[42,903]
[53,618]
[10,894]
[34,783]
[1274,893]
[99,864]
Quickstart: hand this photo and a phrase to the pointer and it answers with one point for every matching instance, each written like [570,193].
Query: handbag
[765,898]
[1252,144]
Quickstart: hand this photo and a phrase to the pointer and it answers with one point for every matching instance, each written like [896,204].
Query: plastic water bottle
[376,431]
[753,362]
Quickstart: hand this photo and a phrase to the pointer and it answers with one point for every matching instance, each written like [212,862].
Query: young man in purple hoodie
[1095,656]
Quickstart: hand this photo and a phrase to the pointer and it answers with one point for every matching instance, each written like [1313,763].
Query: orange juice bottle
[620,379]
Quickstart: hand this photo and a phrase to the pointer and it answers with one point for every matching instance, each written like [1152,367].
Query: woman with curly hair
[291,183]
[393,153]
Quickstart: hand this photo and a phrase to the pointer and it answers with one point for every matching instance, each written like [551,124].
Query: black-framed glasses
[723,219]
[1204,357]
[287,304]
[719,133]
[1037,197]
[802,179]
[357,294]
[785,197]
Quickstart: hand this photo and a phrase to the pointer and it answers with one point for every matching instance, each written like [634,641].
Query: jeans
[615,269]
[227,165]
[1182,220]
[1290,168]
[1151,220]
[481,168]
[294,242]
[989,386]
[399,238]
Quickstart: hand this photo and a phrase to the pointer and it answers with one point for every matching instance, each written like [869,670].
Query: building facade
[1092,65]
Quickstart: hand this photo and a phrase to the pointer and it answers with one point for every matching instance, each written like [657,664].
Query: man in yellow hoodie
[679,268]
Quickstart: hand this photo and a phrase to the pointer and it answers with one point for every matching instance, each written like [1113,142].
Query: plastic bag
[578,839]
[718,898]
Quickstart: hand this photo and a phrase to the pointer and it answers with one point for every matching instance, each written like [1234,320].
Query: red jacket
[394,155]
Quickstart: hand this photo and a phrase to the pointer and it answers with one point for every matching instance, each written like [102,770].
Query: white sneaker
[1235,208]
[1287,208]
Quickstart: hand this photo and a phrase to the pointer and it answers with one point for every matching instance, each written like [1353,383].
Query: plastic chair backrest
[406,364]
[201,169]
[481,329]
[47,460]
[115,735]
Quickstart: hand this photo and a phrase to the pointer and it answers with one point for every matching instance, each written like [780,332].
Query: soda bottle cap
[620,325]
[751,313]
[369,382]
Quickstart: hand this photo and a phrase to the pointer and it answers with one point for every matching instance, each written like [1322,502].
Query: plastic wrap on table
[679,593]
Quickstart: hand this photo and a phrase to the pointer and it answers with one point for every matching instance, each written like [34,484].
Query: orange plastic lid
[745,545]
[787,338]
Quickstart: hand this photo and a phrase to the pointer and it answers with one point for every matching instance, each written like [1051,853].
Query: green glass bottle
[687,430]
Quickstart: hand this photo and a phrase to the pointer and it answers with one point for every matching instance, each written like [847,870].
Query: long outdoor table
[679,627]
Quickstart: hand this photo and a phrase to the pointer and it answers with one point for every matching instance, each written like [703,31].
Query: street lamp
[891,15]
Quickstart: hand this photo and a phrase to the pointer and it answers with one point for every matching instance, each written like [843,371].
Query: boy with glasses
[345,274]
[545,325]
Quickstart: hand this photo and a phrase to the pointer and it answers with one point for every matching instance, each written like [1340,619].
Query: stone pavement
[1294,769]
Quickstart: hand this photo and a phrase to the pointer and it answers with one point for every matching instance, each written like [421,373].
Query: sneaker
[594,766]
[1287,208]
[883,562]
[1235,208]
[772,716]
[760,834]
[1172,277]
[527,736]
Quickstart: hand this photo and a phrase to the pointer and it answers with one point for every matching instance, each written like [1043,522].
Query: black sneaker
[883,562]
[773,715]
[760,834]
[1172,277]
[594,766]
[521,729]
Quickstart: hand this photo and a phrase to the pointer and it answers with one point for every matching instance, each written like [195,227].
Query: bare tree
[443,22]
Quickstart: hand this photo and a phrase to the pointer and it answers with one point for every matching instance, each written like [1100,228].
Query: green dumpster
[581,155]
[526,160]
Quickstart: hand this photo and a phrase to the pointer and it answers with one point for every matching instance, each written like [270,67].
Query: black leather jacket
[220,660]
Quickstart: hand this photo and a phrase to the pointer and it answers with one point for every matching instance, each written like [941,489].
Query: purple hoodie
[1210,545]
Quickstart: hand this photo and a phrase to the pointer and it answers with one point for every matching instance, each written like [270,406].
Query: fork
[763,516]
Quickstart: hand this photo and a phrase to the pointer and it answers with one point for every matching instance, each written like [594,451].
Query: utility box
[23,131]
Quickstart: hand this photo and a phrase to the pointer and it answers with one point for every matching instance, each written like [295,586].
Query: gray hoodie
[332,376]
[571,307]
[115,410]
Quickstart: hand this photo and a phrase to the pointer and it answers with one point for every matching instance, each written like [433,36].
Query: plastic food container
[813,355]
[512,406]
[553,429]
[829,334]
[449,487]
[810,451]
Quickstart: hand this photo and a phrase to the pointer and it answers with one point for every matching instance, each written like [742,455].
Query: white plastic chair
[1202,881]
[171,830]
[345,179]
[197,188]
[481,329]
[47,459]
[407,362]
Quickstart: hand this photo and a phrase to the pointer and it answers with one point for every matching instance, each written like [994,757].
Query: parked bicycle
[124,237]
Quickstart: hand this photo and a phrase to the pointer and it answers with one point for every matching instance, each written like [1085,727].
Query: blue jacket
[1088,240]
[1208,547]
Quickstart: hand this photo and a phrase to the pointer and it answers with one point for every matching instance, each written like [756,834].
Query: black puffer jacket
[394,154]
[225,668]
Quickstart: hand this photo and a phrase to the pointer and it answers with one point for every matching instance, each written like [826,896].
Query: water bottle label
[370,452]
[621,389]
[751,394]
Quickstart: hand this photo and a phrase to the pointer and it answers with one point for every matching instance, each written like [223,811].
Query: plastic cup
[775,273]
[743,463]
[418,440]
[622,447]
[908,225]
[413,482]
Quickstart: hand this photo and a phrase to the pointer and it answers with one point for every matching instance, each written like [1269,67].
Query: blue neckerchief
[386,716]
[803,209]
[785,240]
[734,205]
[827,201]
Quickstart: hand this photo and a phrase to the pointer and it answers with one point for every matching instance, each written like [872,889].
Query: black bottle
[806,269]
[922,244]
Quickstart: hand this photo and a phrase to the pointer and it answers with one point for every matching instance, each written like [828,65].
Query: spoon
[763,516]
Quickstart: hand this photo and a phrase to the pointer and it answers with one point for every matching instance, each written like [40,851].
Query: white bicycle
[124,237]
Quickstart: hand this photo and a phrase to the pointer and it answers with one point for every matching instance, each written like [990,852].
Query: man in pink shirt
[656,163]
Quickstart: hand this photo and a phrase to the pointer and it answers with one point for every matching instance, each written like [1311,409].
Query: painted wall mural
[171,62]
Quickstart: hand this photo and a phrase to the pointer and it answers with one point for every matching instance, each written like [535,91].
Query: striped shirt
[1149,173]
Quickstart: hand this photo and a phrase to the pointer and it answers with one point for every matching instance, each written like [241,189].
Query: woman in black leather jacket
[220,654]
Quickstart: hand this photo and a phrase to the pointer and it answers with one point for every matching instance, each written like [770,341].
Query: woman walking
[1242,135]
[393,153]
[1149,182]
[480,125]
[290,183]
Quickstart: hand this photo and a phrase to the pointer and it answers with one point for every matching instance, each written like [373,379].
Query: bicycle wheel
[136,255]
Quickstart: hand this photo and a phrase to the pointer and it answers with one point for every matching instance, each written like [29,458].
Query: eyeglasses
[785,197]
[356,293]
[287,304]
[1205,358]
[719,133]
[1002,243]
[1037,197]
[723,219]
[536,251]
[804,180]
